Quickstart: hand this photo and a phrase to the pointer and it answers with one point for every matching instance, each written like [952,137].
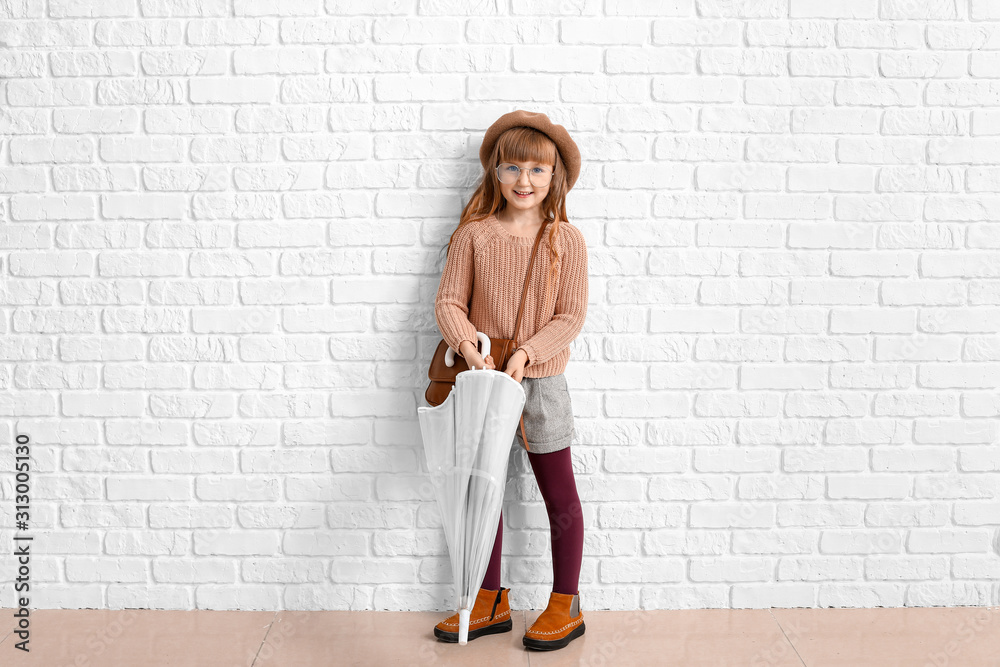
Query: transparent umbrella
[467,442]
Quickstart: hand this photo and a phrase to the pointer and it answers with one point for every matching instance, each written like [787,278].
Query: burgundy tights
[554,474]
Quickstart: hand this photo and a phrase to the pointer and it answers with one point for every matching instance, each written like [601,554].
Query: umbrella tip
[463,626]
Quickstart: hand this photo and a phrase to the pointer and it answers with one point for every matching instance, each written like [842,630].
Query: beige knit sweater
[481,288]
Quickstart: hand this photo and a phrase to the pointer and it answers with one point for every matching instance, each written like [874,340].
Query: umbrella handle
[484,341]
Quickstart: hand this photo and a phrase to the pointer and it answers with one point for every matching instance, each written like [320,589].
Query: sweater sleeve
[571,305]
[451,305]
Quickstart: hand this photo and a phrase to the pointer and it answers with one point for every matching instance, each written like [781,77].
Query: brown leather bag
[442,376]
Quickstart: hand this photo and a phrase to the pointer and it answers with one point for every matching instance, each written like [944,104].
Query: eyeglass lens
[509,173]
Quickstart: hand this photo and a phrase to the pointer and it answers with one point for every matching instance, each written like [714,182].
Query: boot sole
[494,629]
[541,645]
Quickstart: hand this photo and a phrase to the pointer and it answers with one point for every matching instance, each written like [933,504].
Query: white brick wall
[221,239]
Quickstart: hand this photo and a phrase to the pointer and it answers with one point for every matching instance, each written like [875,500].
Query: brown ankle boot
[559,624]
[490,615]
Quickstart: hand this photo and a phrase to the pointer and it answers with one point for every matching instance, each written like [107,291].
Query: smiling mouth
[523,194]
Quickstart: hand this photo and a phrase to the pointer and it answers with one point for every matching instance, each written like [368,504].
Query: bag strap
[520,310]
[527,278]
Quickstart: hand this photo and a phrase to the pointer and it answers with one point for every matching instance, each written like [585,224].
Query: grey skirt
[548,415]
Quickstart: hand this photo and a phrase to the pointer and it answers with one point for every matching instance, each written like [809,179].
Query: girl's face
[522,194]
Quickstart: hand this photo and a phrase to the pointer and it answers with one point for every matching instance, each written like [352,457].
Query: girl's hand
[474,359]
[515,366]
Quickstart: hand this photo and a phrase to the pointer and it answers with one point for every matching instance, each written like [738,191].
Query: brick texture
[222,227]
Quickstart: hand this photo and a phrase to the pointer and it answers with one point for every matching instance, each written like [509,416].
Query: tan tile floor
[903,637]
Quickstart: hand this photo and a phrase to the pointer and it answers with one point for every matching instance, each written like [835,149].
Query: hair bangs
[525,144]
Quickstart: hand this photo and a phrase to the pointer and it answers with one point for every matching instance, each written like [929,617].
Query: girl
[529,165]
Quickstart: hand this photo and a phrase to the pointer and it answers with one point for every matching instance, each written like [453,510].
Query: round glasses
[508,174]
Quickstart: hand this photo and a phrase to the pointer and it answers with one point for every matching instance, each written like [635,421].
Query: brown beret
[568,151]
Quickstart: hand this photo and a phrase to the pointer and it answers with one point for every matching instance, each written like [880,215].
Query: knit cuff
[530,351]
[454,325]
